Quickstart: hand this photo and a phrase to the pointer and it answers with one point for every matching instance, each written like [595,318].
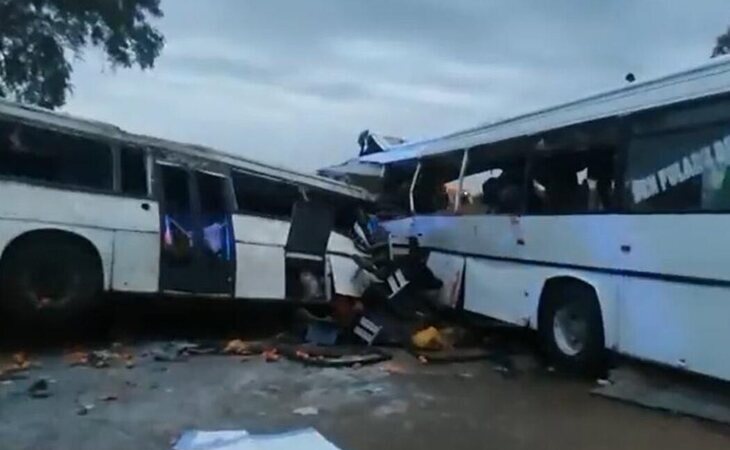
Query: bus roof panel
[703,81]
[100,130]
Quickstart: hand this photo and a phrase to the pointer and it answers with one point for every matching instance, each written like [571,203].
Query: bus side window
[567,181]
[49,156]
[436,188]
[133,170]
[492,186]
[262,196]
[394,199]
[679,171]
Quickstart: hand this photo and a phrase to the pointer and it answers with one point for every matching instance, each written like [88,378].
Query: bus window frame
[108,142]
[237,207]
[620,155]
[449,212]
[634,125]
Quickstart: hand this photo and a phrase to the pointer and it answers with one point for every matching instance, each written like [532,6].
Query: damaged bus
[601,223]
[88,208]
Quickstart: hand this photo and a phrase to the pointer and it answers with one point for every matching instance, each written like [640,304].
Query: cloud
[293,82]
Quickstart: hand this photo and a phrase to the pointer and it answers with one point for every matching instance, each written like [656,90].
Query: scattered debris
[427,339]
[77,358]
[271,355]
[21,361]
[393,367]
[306,411]
[370,389]
[391,408]
[173,351]
[335,357]
[322,333]
[17,368]
[503,363]
[84,409]
[454,355]
[100,359]
[367,330]
[40,388]
[237,347]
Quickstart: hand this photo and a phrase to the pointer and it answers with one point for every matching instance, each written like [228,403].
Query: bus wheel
[52,275]
[571,327]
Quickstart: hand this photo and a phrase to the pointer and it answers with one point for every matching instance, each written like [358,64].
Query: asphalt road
[399,404]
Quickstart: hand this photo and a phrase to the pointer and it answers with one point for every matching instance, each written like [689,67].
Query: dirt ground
[398,404]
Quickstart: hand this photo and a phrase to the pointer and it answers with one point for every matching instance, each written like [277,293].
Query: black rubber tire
[72,266]
[582,298]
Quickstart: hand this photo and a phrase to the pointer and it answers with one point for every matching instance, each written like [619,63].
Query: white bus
[86,207]
[601,223]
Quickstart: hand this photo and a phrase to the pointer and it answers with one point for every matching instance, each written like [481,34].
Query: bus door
[196,234]
[216,240]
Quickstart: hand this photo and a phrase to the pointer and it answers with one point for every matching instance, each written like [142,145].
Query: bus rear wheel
[571,328]
[50,276]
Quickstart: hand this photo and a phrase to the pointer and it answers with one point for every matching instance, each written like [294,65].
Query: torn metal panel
[376,143]
[348,279]
[260,271]
[450,270]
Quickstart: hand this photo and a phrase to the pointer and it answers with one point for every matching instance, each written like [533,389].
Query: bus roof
[95,129]
[703,81]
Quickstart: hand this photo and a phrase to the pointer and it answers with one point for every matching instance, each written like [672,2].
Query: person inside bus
[430,195]
[490,194]
[504,194]
[563,193]
[600,168]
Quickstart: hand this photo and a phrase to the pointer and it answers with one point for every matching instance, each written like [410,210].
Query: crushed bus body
[597,223]
[88,207]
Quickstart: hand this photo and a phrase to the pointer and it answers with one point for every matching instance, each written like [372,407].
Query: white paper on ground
[306,439]
[208,440]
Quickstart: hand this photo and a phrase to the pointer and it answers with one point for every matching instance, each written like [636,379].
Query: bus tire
[50,275]
[571,327]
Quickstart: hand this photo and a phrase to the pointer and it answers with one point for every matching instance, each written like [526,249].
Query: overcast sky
[293,82]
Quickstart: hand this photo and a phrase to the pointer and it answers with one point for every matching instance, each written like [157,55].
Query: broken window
[133,171]
[493,182]
[436,187]
[394,200]
[259,195]
[573,171]
[53,157]
[176,189]
[572,182]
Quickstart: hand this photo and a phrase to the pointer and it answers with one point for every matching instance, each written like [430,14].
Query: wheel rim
[570,329]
